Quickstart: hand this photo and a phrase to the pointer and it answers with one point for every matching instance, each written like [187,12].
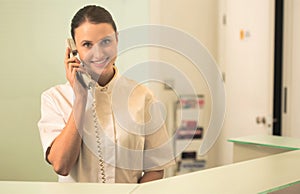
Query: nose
[97,52]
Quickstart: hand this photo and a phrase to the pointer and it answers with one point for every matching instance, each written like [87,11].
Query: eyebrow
[85,41]
[107,36]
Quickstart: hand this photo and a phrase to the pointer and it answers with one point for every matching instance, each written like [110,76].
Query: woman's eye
[87,45]
[105,42]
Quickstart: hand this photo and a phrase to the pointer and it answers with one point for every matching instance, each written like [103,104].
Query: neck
[106,77]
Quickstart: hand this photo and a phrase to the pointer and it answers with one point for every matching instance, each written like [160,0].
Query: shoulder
[59,91]
[135,88]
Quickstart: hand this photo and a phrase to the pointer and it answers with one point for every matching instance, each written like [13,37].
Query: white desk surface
[253,176]
[270,141]
[11,187]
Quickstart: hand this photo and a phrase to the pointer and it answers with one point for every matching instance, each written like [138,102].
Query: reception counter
[254,176]
[11,187]
[261,175]
[251,147]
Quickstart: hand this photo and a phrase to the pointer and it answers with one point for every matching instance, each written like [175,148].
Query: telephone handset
[84,78]
[87,82]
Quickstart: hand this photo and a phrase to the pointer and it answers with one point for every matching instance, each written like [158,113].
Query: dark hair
[93,14]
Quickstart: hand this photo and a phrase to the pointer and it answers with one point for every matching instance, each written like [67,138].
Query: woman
[83,141]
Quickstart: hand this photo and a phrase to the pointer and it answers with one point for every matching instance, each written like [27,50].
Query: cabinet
[189,133]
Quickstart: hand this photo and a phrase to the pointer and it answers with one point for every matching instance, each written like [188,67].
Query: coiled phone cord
[101,176]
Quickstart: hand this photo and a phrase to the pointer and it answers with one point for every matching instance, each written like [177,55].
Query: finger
[77,69]
[72,63]
[71,66]
[73,72]
[80,69]
[73,59]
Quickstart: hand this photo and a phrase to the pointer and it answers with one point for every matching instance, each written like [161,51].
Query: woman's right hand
[72,65]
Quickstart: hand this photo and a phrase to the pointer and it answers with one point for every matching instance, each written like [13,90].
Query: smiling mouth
[100,63]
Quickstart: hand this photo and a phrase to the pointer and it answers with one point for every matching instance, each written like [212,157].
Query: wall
[198,18]
[291,68]
[32,39]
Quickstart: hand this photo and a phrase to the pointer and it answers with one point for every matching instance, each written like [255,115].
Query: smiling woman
[97,47]
[34,38]
[81,136]
[90,26]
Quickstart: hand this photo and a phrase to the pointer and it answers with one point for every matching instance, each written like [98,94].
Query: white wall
[291,68]
[32,39]
[198,18]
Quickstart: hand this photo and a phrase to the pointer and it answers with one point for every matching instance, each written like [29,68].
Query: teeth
[99,62]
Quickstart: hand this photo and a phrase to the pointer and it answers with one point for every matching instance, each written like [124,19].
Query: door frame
[278,67]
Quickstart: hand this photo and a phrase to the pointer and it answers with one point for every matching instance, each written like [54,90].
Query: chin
[97,72]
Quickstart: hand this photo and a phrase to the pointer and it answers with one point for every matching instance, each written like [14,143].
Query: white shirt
[133,135]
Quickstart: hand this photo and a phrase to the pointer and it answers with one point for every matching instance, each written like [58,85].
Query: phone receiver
[83,78]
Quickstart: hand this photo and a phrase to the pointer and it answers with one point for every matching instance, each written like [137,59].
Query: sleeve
[158,151]
[51,123]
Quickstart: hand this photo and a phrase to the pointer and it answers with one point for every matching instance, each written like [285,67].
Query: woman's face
[97,47]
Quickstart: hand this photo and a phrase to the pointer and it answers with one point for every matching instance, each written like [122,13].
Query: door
[291,69]
[246,58]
